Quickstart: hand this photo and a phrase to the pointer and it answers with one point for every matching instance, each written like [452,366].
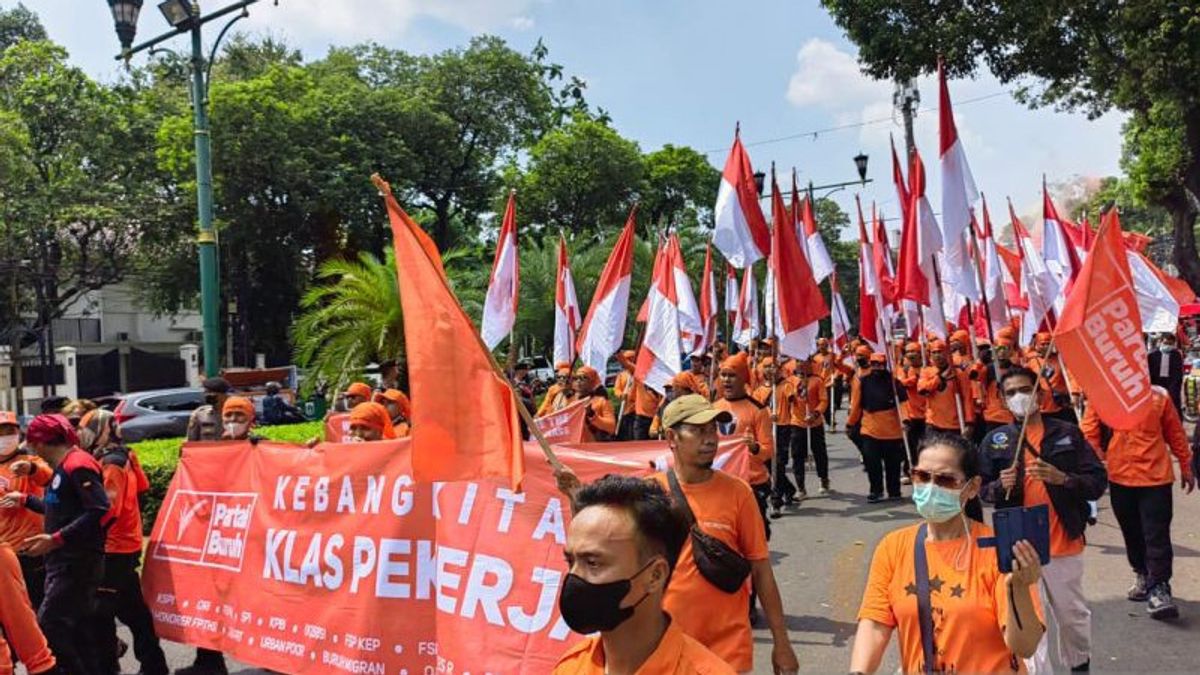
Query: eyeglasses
[942,480]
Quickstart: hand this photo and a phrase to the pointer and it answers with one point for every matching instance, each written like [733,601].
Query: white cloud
[383,19]
[830,78]
[522,22]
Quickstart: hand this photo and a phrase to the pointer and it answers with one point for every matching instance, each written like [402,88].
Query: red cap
[54,429]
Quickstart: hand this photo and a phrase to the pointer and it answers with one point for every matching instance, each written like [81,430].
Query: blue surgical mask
[936,504]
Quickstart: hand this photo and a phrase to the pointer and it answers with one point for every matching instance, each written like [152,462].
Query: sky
[685,72]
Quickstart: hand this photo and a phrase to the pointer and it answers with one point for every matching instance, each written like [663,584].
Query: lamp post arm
[185,28]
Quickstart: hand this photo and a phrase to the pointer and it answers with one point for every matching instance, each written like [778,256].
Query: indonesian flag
[958,197]
[732,294]
[567,318]
[882,256]
[643,314]
[741,230]
[748,324]
[658,360]
[799,305]
[920,240]
[1158,306]
[1010,271]
[898,178]
[911,308]
[1057,250]
[708,305]
[1039,283]
[604,327]
[464,411]
[839,319]
[993,274]
[500,305]
[1100,333]
[818,255]
[868,289]
[691,323]
[770,313]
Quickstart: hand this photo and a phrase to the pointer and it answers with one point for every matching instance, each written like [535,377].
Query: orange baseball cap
[912,348]
[359,389]
[9,417]
[862,350]
[937,346]
[239,404]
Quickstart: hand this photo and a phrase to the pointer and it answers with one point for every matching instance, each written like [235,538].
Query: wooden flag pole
[551,458]
[1025,422]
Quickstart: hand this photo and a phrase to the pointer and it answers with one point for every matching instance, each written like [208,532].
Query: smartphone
[1012,525]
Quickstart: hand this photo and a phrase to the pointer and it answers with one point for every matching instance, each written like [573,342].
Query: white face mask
[236,429]
[1021,405]
[8,444]
[1166,349]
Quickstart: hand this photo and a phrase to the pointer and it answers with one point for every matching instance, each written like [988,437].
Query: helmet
[272,388]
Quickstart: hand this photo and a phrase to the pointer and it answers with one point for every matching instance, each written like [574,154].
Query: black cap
[54,404]
[217,385]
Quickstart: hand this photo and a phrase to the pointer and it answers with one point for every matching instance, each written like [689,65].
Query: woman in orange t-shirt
[983,621]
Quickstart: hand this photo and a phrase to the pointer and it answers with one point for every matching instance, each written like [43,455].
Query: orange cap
[1041,339]
[592,376]
[960,336]
[1007,332]
[912,348]
[862,350]
[739,364]
[359,389]
[562,368]
[937,346]
[9,417]
[398,397]
[878,358]
[239,404]
[373,415]
[1004,342]
[682,382]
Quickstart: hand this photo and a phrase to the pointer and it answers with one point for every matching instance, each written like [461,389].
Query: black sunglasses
[942,480]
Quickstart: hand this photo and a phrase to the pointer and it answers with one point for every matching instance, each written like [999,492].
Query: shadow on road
[839,632]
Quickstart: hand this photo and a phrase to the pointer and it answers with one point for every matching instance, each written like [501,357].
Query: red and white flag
[1057,250]
[1039,283]
[818,254]
[958,197]
[748,324]
[902,194]
[798,303]
[1100,333]
[1010,270]
[839,318]
[709,308]
[658,360]
[919,246]
[733,295]
[567,318]
[500,305]
[741,233]
[1158,305]
[993,274]
[691,323]
[869,304]
[604,328]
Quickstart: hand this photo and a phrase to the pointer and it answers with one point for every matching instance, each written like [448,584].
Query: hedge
[159,458]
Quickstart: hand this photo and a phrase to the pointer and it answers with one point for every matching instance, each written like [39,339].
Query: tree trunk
[441,224]
[1185,205]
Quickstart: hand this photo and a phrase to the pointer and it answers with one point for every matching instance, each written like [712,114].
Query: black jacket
[1173,381]
[1064,447]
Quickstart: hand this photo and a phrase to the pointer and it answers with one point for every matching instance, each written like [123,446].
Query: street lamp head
[860,161]
[178,12]
[760,179]
[125,17]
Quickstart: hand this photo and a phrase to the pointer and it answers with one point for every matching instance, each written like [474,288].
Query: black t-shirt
[75,503]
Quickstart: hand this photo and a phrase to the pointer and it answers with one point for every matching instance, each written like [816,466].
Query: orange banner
[337,428]
[331,559]
[566,425]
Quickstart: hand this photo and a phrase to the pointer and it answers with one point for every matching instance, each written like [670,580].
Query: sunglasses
[942,480]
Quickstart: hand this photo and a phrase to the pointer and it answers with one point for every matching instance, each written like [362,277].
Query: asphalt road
[821,552]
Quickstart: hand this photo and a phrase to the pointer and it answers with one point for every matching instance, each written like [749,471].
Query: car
[160,413]
[611,372]
[541,370]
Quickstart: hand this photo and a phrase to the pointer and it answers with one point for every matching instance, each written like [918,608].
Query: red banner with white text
[566,425]
[331,559]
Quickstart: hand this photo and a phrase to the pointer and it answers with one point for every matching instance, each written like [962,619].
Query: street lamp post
[184,17]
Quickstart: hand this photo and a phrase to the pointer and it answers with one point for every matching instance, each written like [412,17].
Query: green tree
[1091,55]
[678,187]
[19,24]
[581,178]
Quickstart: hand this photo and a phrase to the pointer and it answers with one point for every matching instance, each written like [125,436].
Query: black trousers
[800,450]
[784,438]
[641,426]
[1144,514]
[120,597]
[33,569]
[883,458]
[762,493]
[914,432]
[68,609]
[625,427]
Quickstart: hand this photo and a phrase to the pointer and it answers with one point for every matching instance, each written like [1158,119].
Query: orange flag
[1100,333]
[464,413]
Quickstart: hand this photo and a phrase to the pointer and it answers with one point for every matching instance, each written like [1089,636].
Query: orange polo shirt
[547,405]
[603,419]
[1057,383]
[914,407]
[784,394]
[752,419]
[17,525]
[676,654]
[697,383]
[994,407]
[943,402]
[1141,457]
[125,531]
[725,508]
[815,400]
[968,595]
[1034,493]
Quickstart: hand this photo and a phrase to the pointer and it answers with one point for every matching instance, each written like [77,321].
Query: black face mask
[986,357]
[862,363]
[590,608]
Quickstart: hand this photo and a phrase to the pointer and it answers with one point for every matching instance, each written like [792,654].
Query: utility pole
[907,97]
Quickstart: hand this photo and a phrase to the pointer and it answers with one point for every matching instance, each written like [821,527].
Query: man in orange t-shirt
[808,414]
[776,392]
[948,390]
[1140,480]
[623,544]
[1057,403]
[909,375]
[724,507]
[21,471]
[874,405]
[752,422]
[1055,466]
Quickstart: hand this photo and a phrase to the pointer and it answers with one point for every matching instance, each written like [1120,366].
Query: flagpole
[551,458]
[892,377]
[958,402]
[1025,422]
